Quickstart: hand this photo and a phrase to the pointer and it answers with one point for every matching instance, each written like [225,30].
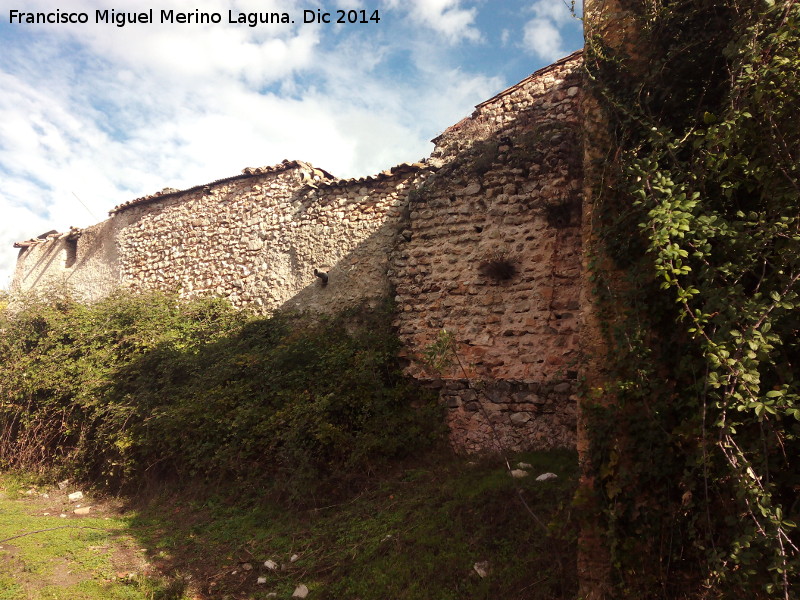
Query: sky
[94,114]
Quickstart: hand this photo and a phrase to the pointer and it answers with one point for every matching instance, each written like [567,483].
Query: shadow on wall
[332,267]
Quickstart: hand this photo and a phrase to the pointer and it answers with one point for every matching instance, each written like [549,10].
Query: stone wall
[254,239]
[257,240]
[494,258]
[86,262]
[482,240]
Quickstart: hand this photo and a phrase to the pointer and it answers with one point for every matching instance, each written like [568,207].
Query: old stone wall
[85,262]
[254,239]
[257,240]
[481,240]
[494,259]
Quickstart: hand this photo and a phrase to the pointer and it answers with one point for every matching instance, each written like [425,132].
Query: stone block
[520,419]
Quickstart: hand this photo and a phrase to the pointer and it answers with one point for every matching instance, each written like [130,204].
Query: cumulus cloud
[542,35]
[543,38]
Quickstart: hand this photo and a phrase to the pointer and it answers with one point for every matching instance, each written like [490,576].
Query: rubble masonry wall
[482,240]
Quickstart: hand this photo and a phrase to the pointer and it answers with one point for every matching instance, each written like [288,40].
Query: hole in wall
[559,215]
[499,265]
[71,247]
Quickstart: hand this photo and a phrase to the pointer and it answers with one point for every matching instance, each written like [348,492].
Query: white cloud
[555,10]
[543,38]
[443,16]
[108,114]
[349,4]
[542,35]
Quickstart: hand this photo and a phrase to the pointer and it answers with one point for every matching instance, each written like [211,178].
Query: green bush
[145,384]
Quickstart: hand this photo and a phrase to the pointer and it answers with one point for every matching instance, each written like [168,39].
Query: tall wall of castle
[482,239]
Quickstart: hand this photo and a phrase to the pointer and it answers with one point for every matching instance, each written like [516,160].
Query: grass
[411,533]
[70,557]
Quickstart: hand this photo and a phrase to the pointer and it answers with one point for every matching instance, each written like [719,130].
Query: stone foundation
[509,415]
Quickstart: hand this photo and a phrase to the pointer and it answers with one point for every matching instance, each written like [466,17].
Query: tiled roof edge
[245,174]
[401,169]
[533,75]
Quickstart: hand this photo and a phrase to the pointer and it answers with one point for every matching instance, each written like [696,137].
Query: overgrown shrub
[145,384]
[696,433]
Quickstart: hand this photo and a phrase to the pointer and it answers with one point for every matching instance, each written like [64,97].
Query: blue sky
[92,115]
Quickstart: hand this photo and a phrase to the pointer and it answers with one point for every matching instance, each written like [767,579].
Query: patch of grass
[414,533]
[9,589]
[69,558]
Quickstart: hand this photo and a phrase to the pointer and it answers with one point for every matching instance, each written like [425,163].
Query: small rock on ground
[546,477]
[482,568]
[519,473]
[301,591]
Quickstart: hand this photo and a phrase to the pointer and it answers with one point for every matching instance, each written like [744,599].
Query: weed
[499,265]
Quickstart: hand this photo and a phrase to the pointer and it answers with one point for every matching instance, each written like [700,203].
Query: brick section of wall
[510,195]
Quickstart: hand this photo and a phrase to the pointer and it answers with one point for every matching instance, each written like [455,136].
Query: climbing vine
[695,442]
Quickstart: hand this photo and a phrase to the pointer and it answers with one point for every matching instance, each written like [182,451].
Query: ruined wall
[257,240]
[254,239]
[494,258]
[482,240]
[86,263]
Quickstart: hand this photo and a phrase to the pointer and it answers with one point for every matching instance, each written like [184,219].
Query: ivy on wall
[695,448]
